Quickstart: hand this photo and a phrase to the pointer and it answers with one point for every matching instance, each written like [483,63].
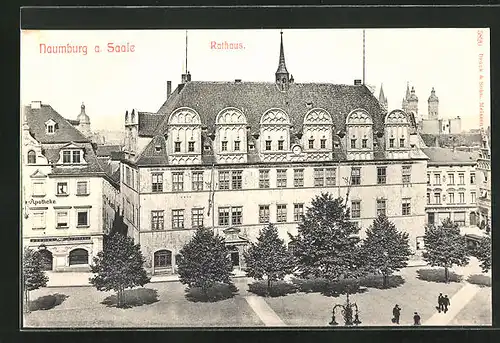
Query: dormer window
[311,144]
[76,157]
[280,144]
[251,146]
[177,146]
[224,146]
[391,142]
[207,147]
[50,126]
[190,146]
[236,145]
[268,145]
[401,142]
[31,157]
[353,143]
[72,156]
[364,143]
[157,148]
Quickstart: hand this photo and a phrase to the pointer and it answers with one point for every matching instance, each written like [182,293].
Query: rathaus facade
[237,155]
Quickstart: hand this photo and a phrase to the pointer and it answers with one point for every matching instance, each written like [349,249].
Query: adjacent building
[484,182]
[237,155]
[452,187]
[64,187]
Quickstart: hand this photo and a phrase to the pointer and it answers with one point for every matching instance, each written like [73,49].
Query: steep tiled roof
[150,155]
[148,123]
[106,150]
[65,131]
[73,121]
[444,140]
[255,98]
[448,156]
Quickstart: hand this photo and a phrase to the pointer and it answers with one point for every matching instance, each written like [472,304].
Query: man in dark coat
[440,302]
[416,319]
[396,312]
[446,303]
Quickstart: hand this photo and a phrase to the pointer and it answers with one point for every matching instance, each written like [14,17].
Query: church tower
[413,103]
[433,104]
[382,99]
[404,104]
[84,122]
[282,77]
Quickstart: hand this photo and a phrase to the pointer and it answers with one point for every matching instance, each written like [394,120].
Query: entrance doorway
[163,261]
[46,257]
[235,257]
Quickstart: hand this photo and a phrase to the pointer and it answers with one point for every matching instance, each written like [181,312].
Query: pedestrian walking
[446,303]
[396,312]
[416,319]
[440,303]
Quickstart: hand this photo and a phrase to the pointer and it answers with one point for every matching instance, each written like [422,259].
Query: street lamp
[347,312]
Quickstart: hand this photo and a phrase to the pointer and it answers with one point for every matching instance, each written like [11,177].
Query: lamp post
[347,311]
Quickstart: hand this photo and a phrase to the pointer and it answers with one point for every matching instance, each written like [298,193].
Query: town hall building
[238,155]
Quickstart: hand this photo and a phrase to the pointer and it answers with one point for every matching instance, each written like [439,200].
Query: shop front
[66,254]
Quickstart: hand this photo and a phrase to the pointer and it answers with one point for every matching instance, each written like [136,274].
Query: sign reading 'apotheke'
[40,202]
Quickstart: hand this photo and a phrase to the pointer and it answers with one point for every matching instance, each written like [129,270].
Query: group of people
[396,312]
[443,303]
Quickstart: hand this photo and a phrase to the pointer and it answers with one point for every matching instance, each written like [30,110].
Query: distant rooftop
[448,156]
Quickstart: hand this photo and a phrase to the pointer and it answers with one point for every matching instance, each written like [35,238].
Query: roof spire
[407,91]
[282,76]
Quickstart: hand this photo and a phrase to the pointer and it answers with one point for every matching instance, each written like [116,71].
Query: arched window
[163,259]
[31,157]
[78,256]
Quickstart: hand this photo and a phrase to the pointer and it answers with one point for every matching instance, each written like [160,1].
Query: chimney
[36,105]
[169,88]
[189,76]
[357,82]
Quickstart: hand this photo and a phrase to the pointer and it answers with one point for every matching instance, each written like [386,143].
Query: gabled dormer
[274,135]
[184,136]
[50,127]
[317,134]
[38,175]
[71,154]
[231,136]
[397,134]
[359,140]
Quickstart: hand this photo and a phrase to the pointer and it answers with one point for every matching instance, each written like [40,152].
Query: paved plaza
[168,306]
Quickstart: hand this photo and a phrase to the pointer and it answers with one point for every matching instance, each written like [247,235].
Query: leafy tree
[268,257]
[386,249]
[327,243]
[445,247]
[204,261]
[483,253]
[33,275]
[119,266]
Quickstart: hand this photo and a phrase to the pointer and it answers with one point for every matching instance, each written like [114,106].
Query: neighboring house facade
[484,182]
[238,155]
[452,187]
[63,187]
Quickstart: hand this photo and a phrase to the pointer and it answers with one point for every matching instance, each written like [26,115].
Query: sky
[109,83]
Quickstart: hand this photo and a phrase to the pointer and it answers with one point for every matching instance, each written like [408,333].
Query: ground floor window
[163,259]
[430,218]
[473,218]
[78,256]
[459,218]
